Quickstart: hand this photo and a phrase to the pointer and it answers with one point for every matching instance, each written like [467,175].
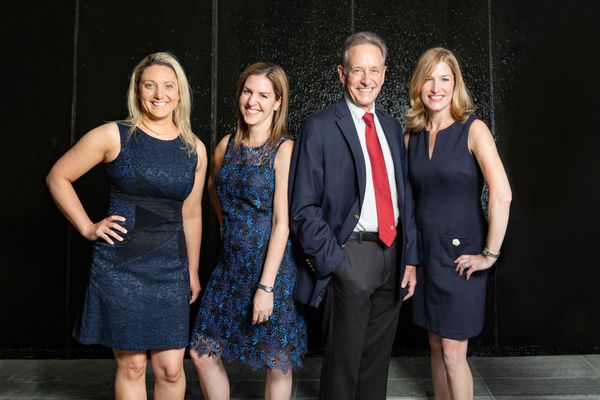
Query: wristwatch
[486,252]
[266,288]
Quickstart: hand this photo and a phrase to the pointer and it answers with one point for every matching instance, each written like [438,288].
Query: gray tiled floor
[507,378]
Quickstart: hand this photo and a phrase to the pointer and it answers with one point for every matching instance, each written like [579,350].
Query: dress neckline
[430,157]
[155,138]
[253,148]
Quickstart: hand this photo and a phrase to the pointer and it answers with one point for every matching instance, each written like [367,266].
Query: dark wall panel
[547,113]
[304,38]
[409,29]
[36,111]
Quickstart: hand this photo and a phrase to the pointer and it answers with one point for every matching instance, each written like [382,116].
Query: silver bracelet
[487,253]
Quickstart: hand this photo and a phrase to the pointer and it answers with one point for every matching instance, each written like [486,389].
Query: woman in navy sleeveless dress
[451,155]
[247,312]
[144,263]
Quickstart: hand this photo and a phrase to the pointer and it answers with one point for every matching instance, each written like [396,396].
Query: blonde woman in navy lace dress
[145,255]
[247,312]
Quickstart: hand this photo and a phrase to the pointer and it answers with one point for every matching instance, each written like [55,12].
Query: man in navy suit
[352,213]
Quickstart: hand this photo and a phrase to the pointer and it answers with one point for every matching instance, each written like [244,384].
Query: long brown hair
[461,105]
[279,80]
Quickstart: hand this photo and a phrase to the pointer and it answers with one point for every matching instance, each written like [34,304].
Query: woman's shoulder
[479,134]
[200,149]
[286,143]
[108,133]
[476,125]
[287,137]
[223,145]
[224,142]
[283,152]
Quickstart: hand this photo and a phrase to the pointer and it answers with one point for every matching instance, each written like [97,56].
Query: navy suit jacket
[327,188]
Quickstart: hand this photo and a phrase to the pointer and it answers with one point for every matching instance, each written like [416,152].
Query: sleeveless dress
[245,186]
[139,289]
[451,222]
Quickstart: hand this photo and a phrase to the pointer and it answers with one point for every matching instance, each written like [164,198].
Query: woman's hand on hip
[108,229]
[467,264]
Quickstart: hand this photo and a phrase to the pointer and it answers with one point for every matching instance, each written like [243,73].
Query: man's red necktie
[383,197]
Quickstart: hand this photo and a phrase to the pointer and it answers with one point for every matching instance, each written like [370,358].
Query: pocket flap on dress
[453,246]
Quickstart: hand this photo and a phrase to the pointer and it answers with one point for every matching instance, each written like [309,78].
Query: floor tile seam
[590,364]
[539,377]
[294,388]
[423,385]
[416,378]
[546,396]
[531,360]
[424,396]
[474,369]
[486,387]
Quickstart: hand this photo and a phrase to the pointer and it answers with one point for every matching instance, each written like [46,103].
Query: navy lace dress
[138,292]
[245,186]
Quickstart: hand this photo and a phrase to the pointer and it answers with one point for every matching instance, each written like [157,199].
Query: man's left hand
[409,280]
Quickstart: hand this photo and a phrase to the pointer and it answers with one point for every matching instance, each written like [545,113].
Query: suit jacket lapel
[394,139]
[346,125]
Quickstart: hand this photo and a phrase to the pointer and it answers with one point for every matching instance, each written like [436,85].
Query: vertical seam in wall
[213,83]
[67,327]
[352,6]
[212,221]
[491,70]
[493,128]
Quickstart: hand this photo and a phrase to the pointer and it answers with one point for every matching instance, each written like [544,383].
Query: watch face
[268,289]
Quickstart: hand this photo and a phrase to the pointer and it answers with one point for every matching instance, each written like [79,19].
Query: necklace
[155,133]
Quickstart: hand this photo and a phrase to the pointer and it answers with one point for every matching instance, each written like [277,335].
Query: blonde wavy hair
[279,79]
[461,105]
[181,114]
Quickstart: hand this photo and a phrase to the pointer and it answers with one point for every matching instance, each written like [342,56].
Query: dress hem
[116,346]
[454,336]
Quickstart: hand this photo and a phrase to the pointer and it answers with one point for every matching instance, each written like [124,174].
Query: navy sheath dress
[139,289]
[451,222]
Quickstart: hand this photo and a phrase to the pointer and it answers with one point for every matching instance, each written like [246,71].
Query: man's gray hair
[359,38]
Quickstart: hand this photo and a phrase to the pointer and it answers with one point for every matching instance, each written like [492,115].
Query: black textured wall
[528,65]
[36,114]
[547,112]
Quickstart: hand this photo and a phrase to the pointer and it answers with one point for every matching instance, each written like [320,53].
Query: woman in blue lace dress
[144,262]
[247,312]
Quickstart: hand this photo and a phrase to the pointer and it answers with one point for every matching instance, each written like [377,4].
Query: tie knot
[368,118]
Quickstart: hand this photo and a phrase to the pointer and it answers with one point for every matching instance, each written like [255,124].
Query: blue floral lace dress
[245,187]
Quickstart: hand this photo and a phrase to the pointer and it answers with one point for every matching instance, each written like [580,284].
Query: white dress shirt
[368,212]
